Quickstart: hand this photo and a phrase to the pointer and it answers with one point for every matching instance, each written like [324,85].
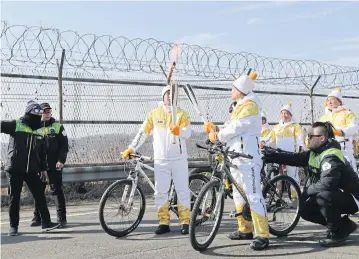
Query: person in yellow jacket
[169,158]
[288,136]
[242,134]
[345,122]
[265,126]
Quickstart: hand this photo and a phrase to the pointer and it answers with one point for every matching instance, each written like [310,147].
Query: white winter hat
[263,114]
[337,93]
[288,107]
[165,89]
[244,83]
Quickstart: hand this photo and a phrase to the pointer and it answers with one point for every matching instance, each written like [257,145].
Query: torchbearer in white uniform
[242,134]
[170,158]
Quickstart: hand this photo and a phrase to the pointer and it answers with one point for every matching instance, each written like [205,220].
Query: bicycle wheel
[196,183]
[120,192]
[278,196]
[201,170]
[208,171]
[208,206]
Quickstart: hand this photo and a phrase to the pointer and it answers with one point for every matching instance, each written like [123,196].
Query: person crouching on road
[26,159]
[334,186]
[169,158]
[57,148]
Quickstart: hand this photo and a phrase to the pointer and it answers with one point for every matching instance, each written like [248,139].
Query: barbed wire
[39,47]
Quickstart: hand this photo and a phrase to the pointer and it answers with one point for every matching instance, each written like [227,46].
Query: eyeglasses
[310,136]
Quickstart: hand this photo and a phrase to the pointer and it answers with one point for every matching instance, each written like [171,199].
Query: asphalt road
[84,238]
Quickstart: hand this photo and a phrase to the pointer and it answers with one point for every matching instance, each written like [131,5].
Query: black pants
[34,183]
[55,181]
[326,208]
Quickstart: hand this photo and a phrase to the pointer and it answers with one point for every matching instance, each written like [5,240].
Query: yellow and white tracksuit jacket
[169,159]
[344,119]
[265,131]
[287,136]
[242,134]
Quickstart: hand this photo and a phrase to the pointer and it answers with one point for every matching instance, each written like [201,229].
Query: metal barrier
[102,173]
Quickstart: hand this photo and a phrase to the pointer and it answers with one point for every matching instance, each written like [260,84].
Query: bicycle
[216,188]
[211,169]
[130,189]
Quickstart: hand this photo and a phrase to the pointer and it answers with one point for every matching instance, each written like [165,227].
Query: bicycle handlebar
[139,156]
[219,147]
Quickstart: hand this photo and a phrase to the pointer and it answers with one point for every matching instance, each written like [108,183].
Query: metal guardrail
[102,173]
[105,173]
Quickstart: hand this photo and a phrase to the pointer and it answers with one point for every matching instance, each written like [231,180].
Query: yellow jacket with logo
[287,136]
[158,122]
[343,119]
[265,131]
[242,133]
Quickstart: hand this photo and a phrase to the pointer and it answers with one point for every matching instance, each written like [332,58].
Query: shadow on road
[288,246]
[213,251]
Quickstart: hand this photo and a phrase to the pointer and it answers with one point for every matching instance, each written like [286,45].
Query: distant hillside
[107,148]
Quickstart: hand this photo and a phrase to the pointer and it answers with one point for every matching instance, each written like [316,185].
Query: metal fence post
[311,90]
[60,69]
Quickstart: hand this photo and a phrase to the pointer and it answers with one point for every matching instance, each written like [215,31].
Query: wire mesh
[104,107]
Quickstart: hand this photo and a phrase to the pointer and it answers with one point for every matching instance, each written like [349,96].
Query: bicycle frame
[225,173]
[140,172]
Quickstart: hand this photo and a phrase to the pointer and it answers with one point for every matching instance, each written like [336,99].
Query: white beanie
[165,89]
[244,83]
[337,93]
[263,114]
[288,107]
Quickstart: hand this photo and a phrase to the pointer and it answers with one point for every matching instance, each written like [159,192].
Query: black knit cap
[33,106]
[45,106]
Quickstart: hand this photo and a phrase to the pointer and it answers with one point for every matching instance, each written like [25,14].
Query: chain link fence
[106,97]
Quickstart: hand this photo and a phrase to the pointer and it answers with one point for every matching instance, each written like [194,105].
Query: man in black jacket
[334,186]
[57,148]
[26,159]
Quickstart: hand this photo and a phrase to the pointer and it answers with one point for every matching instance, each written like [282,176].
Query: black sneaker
[348,226]
[13,232]
[260,243]
[49,226]
[62,222]
[238,235]
[334,239]
[162,229]
[184,229]
[35,222]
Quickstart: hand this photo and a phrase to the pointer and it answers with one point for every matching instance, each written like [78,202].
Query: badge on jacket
[326,166]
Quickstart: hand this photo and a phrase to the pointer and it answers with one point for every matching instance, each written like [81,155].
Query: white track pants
[248,176]
[164,172]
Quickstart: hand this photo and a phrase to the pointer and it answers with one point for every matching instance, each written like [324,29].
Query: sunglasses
[37,111]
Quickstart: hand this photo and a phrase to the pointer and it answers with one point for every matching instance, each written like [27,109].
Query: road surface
[84,238]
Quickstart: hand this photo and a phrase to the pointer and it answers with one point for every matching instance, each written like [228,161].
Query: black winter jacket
[26,149]
[57,145]
[328,169]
